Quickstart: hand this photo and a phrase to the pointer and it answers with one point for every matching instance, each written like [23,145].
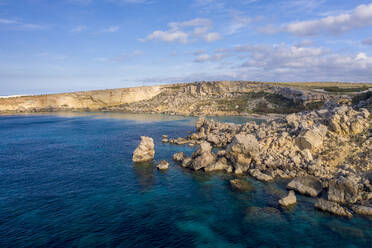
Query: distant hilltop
[198,98]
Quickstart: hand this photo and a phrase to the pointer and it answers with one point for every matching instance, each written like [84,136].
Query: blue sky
[67,45]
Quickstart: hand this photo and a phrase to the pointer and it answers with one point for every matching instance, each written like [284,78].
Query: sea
[68,180]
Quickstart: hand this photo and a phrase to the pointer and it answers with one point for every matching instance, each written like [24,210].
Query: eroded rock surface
[289,200]
[145,151]
[332,207]
[307,185]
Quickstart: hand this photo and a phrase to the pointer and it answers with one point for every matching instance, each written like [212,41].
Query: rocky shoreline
[326,154]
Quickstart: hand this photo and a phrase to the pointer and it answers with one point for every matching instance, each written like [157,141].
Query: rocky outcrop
[362,210]
[145,151]
[343,190]
[308,185]
[256,173]
[203,157]
[179,156]
[332,207]
[289,200]
[241,151]
[163,165]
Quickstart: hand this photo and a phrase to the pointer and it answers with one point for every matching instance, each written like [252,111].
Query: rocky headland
[325,153]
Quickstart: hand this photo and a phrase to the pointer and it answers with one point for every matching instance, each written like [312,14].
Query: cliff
[88,100]
[199,98]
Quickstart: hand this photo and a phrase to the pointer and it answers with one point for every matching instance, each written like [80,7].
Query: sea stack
[145,150]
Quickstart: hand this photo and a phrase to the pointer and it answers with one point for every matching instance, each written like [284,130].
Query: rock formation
[289,200]
[328,150]
[241,185]
[163,165]
[199,98]
[145,151]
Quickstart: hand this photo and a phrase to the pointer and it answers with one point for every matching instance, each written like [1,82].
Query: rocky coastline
[325,154]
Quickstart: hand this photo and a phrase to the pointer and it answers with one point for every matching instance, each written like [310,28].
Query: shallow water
[67,180]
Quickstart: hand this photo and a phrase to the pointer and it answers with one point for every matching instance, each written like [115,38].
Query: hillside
[199,98]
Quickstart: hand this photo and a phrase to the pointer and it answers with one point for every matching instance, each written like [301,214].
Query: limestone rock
[145,150]
[241,185]
[256,173]
[310,139]
[244,143]
[178,157]
[221,164]
[307,185]
[289,200]
[202,161]
[163,165]
[186,161]
[343,190]
[362,210]
[332,207]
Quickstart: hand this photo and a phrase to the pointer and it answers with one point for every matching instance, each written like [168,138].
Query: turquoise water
[67,180]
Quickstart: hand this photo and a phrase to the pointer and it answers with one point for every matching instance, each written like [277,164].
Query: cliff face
[201,98]
[92,100]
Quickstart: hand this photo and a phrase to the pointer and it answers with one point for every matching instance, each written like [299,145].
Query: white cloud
[183,32]
[7,21]
[287,63]
[168,36]
[211,37]
[111,29]
[359,17]
[20,25]
[211,58]
[78,29]
[238,22]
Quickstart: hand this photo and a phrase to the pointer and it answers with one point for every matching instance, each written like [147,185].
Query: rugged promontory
[327,150]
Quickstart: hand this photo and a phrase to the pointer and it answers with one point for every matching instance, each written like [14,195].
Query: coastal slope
[198,98]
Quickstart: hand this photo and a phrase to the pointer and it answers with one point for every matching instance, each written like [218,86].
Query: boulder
[186,161]
[221,164]
[289,200]
[310,138]
[244,143]
[343,190]
[256,173]
[241,151]
[332,207]
[307,185]
[241,185]
[178,157]
[145,150]
[163,165]
[165,140]
[202,161]
[362,210]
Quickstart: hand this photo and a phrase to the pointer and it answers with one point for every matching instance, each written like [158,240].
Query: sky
[50,46]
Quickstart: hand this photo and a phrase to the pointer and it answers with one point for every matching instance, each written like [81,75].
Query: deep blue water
[68,181]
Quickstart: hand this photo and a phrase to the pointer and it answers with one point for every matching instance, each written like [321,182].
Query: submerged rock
[241,185]
[307,185]
[332,207]
[145,150]
[163,165]
[289,200]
